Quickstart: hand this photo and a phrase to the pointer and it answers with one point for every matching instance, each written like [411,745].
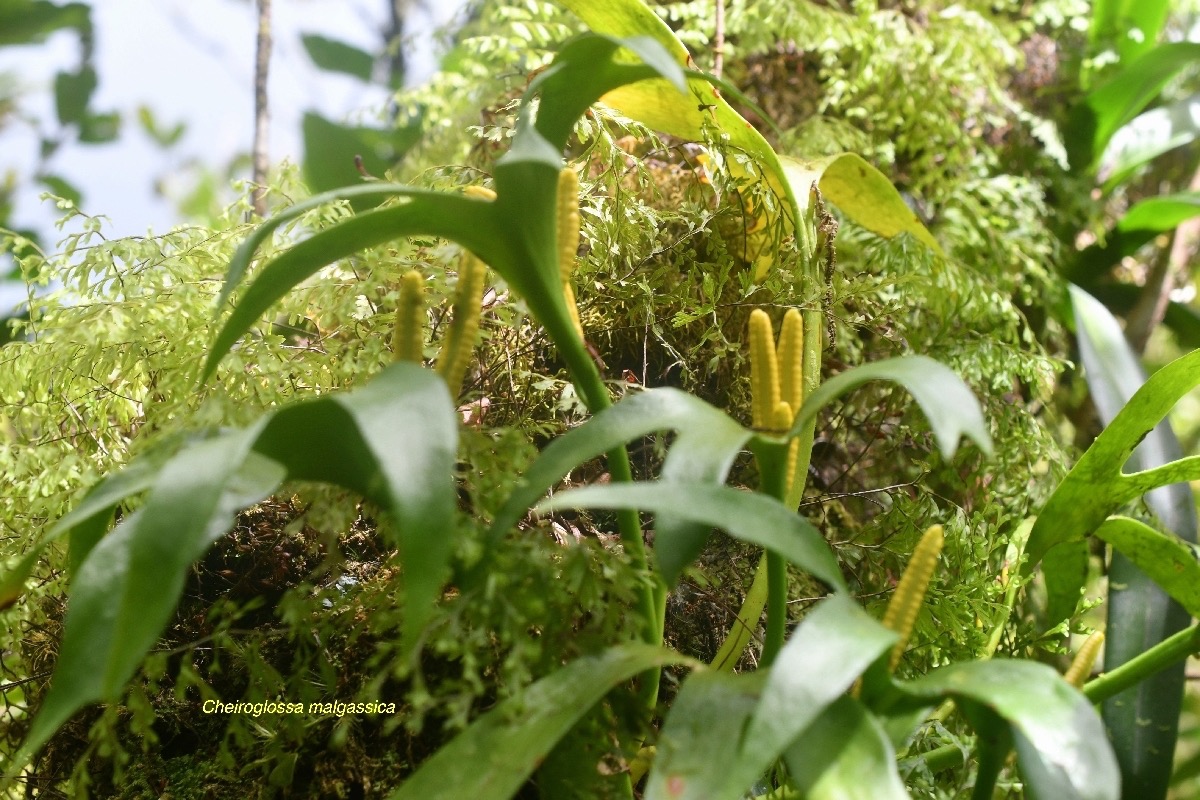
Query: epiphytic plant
[393,441]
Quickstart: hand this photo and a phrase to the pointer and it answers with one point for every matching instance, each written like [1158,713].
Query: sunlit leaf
[497,754]
[947,402]
[1132,26]
[1148,136]
[725,731]
[589,66]
[1110,106]
[393,441]
[1143,721]
[1062,749]
[746,516]
[861,192]
[332,55]
[707,443]
[845,755]
[1167,560]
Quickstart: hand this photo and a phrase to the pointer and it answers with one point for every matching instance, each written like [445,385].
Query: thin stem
[1164,654]
[652,598]
[773,475]
[262,65]
[776,608]
[941,758]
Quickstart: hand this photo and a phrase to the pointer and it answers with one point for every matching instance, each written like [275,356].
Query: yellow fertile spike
[408,331]
[568,222]
[781,417]
[480,192]
[764,371]
[791,496]
[790,354]
[1085,659]
[568,238]
[464,328]
[906,602]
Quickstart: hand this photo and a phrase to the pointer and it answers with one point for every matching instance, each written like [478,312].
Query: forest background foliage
[959,104]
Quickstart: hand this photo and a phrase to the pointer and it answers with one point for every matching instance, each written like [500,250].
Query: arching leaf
[948,404]
[492,758]
[746,516]
[393,441]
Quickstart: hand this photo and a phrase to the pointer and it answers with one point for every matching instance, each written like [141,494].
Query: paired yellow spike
[408,331]
[464,328]
[790,355]
[906,602]
[479,192]
[568,238]
[1085,659]
[764,371]
[781,417]
[776,380]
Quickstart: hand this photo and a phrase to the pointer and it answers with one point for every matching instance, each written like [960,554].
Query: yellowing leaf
[861,192]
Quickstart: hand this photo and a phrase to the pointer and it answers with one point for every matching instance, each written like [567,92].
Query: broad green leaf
[1160,213]
[742,632]
[334,56]
[861,192]
[1132,26]
[746,516]
[72,93]
[467,220]
[724,732]
[1143,721]
[393,441]
[1148,136]
[100,128]
[85,523]
[124,593]
[330,149]
[589,66]
[1097,485]
[1062,749]
[688,115]
[831,648]
[697,752]
[30,21]
[1167,560]
[516,234]
[492,759]
[1140,225]
[659,105]
[1110,106]
[845,755]
[948,404]
[707,443]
